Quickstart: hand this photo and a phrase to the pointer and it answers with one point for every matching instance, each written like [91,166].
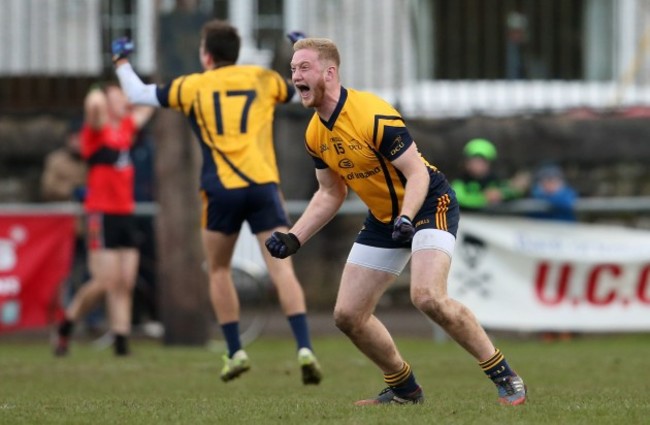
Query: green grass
[602,380]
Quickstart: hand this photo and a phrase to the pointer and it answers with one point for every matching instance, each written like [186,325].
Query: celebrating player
[108,132]
[357,140]
[231,110]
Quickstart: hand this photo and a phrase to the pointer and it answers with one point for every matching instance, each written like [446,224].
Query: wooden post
[183,291]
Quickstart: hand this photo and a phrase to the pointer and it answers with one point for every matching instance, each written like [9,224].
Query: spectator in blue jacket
[551,187]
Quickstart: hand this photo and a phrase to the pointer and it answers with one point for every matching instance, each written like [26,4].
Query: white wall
[49,37]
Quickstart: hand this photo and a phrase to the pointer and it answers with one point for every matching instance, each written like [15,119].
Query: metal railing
[592,205]
[601,205]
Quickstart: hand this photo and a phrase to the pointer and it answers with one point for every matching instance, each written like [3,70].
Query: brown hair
[327,50]
[221,40]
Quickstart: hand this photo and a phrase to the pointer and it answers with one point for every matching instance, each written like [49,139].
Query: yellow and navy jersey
[231,111]
[361,138]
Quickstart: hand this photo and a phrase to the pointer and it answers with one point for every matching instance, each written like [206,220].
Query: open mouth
[303,89]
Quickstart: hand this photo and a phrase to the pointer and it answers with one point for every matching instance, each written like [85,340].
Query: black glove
[403,229]
[282,245]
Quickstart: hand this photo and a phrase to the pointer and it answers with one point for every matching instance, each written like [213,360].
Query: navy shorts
[224,210]
[437,212]
[111,231]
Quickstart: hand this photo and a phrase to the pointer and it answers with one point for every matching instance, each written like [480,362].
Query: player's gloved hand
[121,48]
[282,245]
[403,229]
[294,36]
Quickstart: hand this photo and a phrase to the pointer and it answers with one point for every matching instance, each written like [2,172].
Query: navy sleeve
[395,142]
[319,163]
[162,93]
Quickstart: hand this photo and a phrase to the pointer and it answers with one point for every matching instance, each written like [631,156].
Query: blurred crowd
[480,187]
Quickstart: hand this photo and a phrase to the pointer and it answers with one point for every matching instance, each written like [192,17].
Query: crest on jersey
[346,163]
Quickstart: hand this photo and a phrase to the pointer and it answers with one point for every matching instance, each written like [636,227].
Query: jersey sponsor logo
[355,145]
[397,145]
[346,163]
[363,174]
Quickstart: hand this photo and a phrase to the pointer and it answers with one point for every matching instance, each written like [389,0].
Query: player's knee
[429,303]
[219,274]
[346,320]
[422,298]
[108,282]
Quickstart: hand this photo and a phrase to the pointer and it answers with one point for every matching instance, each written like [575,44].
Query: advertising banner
[35,257]
[535,275]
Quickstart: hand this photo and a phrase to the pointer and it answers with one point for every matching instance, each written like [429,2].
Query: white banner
[534,275]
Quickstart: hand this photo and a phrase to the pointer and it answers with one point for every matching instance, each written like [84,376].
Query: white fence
[64,37]
[382,43]
[501,98]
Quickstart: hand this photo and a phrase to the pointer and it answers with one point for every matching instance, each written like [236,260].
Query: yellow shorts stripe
[441,212]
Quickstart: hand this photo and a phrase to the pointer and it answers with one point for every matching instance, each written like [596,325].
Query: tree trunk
[183,291]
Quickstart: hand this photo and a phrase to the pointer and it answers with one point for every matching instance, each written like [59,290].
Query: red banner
[35,257]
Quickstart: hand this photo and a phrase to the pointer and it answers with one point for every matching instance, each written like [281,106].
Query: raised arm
[142,114]
[138,92]
[96,109]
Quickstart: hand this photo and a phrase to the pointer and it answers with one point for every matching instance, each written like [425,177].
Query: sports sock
[298,323]
[65,328]
[121,345]
[403,382]
[496,367]
[231,334]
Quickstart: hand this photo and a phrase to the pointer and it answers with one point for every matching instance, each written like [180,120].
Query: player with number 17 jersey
[230,108]
[231,111]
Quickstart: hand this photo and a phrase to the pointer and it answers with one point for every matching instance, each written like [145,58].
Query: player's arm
[136,90]
[321,209]
[141,115]
[323,206]
[411,166]
[95,109]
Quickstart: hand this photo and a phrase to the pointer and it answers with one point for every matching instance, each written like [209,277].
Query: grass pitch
[589,380]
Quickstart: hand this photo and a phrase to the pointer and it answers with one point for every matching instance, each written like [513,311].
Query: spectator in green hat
[478,187]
